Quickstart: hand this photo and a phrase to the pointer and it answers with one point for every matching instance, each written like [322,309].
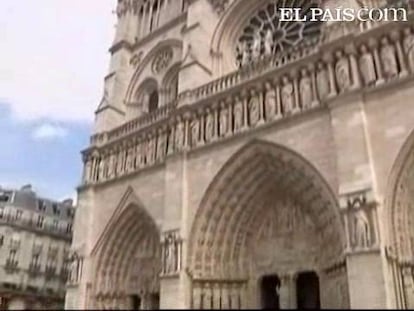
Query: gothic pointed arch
[128,257]
[399,220]
[268,211]
[251,30]
[155,63]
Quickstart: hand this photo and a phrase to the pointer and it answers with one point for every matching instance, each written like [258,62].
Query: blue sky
[52,63]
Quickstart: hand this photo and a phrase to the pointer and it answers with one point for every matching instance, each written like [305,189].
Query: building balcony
[275,88]
[34,270]
[29,224]
[50,272]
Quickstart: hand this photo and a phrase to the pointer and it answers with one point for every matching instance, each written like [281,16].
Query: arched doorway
[267,214]
[128,263]
[400,226]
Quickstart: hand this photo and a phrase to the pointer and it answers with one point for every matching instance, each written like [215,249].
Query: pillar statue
[367,65]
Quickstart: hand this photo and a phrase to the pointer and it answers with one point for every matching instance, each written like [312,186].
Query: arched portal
[129,263]
[400,225]
[268,212]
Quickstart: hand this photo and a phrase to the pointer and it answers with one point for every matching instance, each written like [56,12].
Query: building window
[69,228]
[41,205]
[40,220]
[265,34]
[55,209]
[1,240]
[35,260]
[153,101]
[12,259]
[1,213]
[55,224]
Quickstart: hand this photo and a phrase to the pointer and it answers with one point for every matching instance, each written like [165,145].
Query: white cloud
[49,131]
[54,57]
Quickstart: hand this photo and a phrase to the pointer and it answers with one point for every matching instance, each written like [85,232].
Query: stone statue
[256,45]
[288,100]
[305,90]
[322,82]
[254,109]
[111,165]
[362,235]
[389,59]
[245,59]
[209,134]
[195,132]
[366,63]
[140,158]
[130,160]
[151,150]
[408,44]
[238,114]
[161,146]
[102,167]
[268,42]
[120,163]
[171,255]
[179,136]
[343,74]
[87,171]
[224,117]
[270,102]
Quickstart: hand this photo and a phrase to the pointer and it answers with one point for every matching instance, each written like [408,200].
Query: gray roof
[25,198]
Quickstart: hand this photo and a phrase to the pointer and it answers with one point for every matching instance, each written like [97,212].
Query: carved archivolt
[128,259]
[265,193]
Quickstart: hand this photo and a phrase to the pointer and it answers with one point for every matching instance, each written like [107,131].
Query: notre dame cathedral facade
[243,161]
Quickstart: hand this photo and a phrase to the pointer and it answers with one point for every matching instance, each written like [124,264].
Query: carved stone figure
[179,136]
[389,59]
[130,159]
[195,132]
[102,168]
[171,255]
[120,162]
[254,109]
[271,109]
[362,234]
[209,130]
[140,155]
[288,100]
[256,46]
[161,146]
[238,114]
[408,44]
[224,117]
[342,70]
[268,42]
[111,165]
[322,81]
[305,90]
[245,54]
[87,171]
[151,150]
[366,63]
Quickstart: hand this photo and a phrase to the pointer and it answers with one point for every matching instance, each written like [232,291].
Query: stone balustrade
[260,94]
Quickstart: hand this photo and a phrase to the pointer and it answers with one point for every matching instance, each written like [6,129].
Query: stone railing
[134,125]
[258,95]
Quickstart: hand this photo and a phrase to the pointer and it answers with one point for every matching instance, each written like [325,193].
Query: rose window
[267,33]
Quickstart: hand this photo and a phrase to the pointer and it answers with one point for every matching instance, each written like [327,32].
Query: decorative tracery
[267,33]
